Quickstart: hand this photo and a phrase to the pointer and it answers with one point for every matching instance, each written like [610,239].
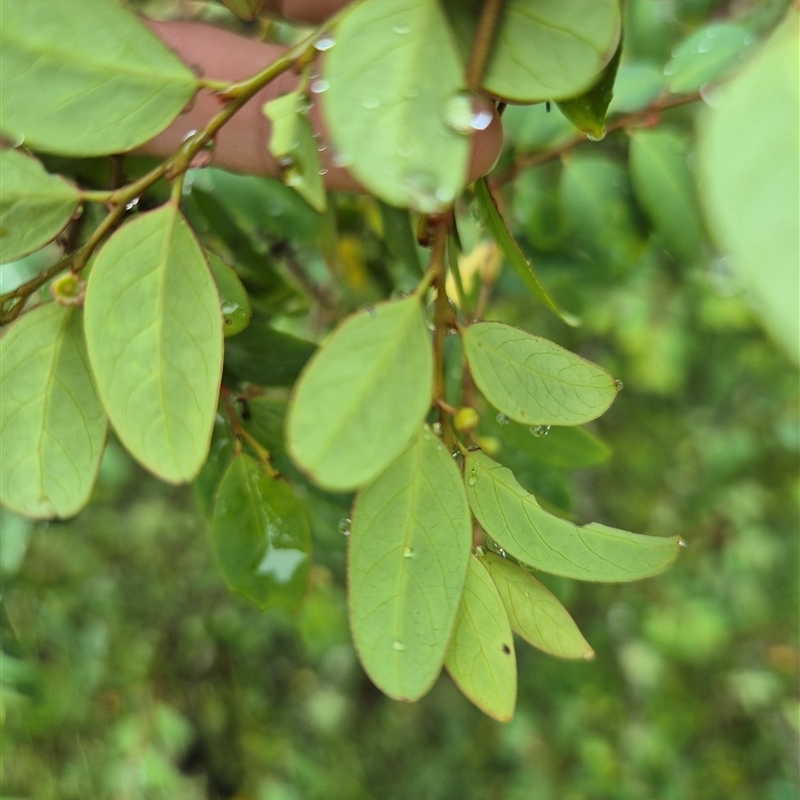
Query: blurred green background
[130,672]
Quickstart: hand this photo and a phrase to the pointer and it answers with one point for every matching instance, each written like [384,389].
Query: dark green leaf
[399,238]
[220,454]
[245,9]
[236,311]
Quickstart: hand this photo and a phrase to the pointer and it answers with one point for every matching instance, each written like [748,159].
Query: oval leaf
[86,77]
[261,535]
[385,111]
[480,657]
[664,186]
[545,49]
[34,206]
[533,381]
[406,567]
[52,426]
[534,612]
[362,396]
[594,552]
[236,310]
[154,333]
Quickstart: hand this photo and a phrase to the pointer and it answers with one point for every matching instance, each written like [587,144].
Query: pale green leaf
[86,77]
[406,567]
[154,333]
[532,380]
[34,206]
[392,74]
[534,612]
[587,112]
[664,186]
[236,310]
[637,85]
[261,535]
[497,227]
[295,149]
[749,165]
[594,552]
[705,56]
[245,9]
[362,396]
[480,657]
[544,49]
[52,426]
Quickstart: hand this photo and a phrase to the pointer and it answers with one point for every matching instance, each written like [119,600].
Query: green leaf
[587,112]
[362,396]
[392,74]
[638,84]
[399,238]
[544,49]
[154,334]
[534,612]
[295,149]
[594,552]
[407,562]
[52,426]
[236,310]
[480,657]
[264,419]
[533,381]
[599,212]
[220,454]
[86,77]
[34,206]
[261,536]
[245,9]
[748,180]
[664,186]
[705,56]
[497,227]
[264,356]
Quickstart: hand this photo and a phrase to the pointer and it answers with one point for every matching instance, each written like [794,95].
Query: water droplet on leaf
[401,28]
[473,478]
[467,112]
[344,526]
[408,552]
[325,42]
[398,646]
[320,85]
[371,102]
[540,430]
[619,385]
[502,419]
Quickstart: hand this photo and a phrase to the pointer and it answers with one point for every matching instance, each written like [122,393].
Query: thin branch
[482,43]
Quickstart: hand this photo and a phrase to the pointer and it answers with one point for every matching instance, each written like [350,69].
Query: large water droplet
[319,86]
[344,526]
[502,419]
[398,646]
[467,112]
[539,430]
[597,137]
[325,42]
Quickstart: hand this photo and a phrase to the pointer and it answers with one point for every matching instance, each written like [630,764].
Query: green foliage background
[130,671]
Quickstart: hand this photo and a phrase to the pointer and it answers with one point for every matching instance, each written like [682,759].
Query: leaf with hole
[407,561]
[86,77]
[519,525]
[532,380]
[52,425]
[34,206]
[480,657]
[534,611]
[154,334]
[386,113]
[236,310]
[261,535]
[362,396]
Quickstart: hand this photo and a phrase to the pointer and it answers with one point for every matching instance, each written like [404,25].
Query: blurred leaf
[381,82]
[245,9]
[265,356]
[534,612]
[480,657]
[550,50]
[593,552]
[63,99]
[15,533]
[236,311]
[499,231]
[265,419]
[407,560]
[399,238]
[532,380]
[664,186]
[638,84]
[34,206]
[748,181]
[261,535]
[587,112]
[537,209]
[53,426]
[705,56]
[220,455]
[535,127]
[295,149]
[362,396]
[154,335]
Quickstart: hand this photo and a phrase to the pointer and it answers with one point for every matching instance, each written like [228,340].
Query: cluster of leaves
[140,344]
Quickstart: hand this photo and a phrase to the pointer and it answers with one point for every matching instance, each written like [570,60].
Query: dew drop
[681,543]
[344,526]
[421,190]
[711,95]
[502,419]
[321,148]
[401,28]
[705,47]
[473,478]
[131,204]
[527,593]
[408,552]
[539,430]
[371,102]
[619,385]
[592,137]
[325,42]
[18,142]
[319,86]
[204,157]
[467,112]
[437,428]
[371,311]
[323,171]
[340,159]
[398,646]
